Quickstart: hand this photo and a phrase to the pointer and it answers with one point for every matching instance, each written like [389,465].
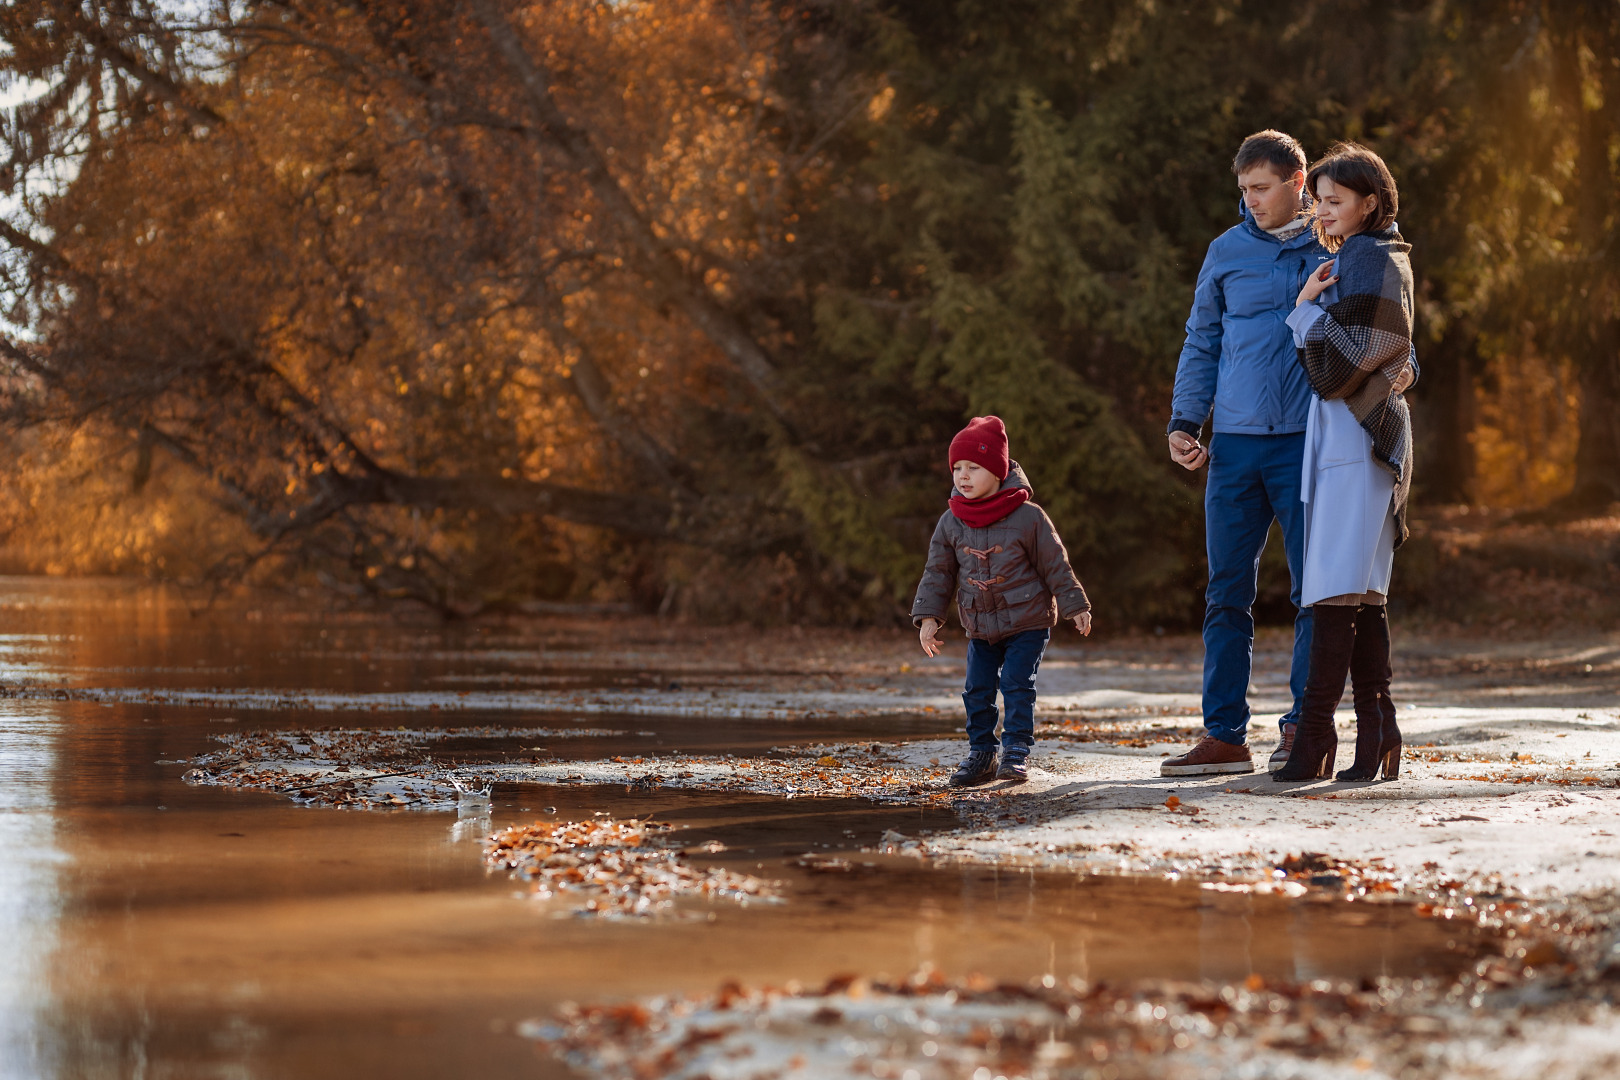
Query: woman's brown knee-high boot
[1378,739]
[1333,638]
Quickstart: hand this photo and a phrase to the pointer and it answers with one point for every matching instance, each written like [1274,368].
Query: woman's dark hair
[1351,165]
[1282,152]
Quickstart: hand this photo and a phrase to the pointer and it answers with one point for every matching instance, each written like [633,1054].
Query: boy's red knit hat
[983,442]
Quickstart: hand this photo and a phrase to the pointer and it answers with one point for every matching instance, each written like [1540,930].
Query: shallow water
[153,929]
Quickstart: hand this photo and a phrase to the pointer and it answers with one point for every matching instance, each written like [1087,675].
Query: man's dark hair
[1351,165]
[1282,152]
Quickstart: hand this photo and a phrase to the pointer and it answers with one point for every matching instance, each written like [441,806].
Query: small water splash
[473,820]
[471,800]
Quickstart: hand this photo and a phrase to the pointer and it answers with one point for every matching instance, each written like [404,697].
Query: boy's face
[974,481]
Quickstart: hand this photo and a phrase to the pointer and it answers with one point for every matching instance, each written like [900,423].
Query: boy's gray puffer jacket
[1008,577]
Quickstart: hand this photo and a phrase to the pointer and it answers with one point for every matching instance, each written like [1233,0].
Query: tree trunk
[631,514]
[1595,347]
[1444,403]
[1597,455]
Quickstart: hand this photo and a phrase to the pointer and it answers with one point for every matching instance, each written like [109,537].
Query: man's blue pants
[1010,665]
[1252,479]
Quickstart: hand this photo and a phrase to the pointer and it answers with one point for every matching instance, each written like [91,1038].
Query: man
[1239,366]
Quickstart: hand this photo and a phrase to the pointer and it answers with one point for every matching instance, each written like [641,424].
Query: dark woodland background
[492,304]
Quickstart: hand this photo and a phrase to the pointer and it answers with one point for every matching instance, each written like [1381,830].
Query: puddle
[154,928]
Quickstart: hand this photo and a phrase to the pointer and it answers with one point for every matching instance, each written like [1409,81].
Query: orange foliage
[383,264]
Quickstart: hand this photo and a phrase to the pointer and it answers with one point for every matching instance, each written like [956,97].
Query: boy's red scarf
[981,513]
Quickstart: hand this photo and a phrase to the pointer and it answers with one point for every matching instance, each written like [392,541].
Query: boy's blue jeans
[1010,666]
[1252,479]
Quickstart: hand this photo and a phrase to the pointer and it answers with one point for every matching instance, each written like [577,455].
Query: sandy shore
[1511,770]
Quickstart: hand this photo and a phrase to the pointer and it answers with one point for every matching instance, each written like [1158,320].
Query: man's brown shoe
[1209,756]
[1279,756]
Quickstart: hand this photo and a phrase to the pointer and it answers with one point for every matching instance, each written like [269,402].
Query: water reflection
[1224,936]
[474,818]
[148,928]
[28,887]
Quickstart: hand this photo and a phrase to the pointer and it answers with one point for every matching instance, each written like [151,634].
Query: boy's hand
[926,635]
[1082,623]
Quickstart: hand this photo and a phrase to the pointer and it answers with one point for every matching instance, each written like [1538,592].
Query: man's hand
[926,634]
[1082,623]
[1187,451]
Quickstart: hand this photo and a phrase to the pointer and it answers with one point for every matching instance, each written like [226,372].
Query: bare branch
[156,83]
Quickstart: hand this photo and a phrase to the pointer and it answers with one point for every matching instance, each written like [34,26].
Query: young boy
[999,556]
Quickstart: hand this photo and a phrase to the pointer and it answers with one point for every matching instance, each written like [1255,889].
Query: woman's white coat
[1348,496]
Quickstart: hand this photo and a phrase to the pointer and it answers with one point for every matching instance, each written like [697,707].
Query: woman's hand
[926,636]
[1082,623]
[1317,283]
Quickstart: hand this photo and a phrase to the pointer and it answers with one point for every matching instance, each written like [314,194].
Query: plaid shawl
[1359,348]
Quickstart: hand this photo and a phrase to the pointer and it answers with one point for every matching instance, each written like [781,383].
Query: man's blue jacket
[1239,360]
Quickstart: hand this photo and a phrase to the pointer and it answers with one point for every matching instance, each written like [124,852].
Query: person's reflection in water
[929,913]
[1320,953]
[1225,936]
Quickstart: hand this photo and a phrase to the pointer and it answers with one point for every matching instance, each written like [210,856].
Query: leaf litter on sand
[621,867]
[347,767]
[1138,727]
[342,767]
[926,1027]
[922,1024]
[369,742]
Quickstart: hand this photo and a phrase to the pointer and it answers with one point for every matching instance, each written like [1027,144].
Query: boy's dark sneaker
[1012,767]
[979,767]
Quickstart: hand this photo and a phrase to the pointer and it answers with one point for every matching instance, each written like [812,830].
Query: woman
[1352,324]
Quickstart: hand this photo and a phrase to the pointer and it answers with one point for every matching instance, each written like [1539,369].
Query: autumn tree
[358,265]
[479,301]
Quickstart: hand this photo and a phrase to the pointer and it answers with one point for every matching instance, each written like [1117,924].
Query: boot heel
[1392,764]
[1301,766]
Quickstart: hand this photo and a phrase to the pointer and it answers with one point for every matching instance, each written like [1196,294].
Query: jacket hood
[1015,479]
